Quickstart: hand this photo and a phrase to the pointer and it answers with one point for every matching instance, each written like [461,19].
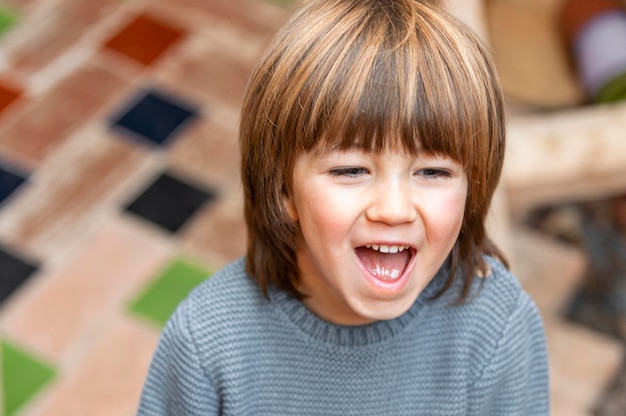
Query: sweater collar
[360,335]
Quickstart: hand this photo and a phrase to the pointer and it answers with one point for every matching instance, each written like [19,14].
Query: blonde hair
[370,74]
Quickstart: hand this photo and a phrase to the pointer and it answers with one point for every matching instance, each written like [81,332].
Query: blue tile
[155,116]
[14,271]
[169,202]
[10,181]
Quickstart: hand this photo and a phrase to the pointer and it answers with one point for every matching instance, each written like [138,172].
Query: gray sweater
[228,350]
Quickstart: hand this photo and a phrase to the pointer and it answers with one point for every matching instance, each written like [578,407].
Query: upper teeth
[387,249]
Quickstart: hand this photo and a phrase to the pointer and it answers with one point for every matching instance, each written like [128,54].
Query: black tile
[14,270]
[155,116]
[169,202]
[9,182]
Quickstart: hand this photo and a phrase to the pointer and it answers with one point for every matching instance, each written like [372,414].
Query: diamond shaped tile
[155,116]
[169,202]
[144,39]
[15,271]
[283,3]
[8,18]
[8,94]
[171,286]
[10,181]
[23,375]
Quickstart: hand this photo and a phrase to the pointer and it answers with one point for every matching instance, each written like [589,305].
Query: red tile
[8,94]
[144,39]
[49,121]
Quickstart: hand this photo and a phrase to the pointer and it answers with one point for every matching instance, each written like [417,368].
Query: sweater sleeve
[515,381]
[177,383]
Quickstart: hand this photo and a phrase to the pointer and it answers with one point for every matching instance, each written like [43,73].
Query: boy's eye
[348,171]
[434,173]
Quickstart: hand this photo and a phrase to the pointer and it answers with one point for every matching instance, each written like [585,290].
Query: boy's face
[376,227]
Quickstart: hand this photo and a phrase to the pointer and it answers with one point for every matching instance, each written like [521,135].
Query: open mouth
[386,263]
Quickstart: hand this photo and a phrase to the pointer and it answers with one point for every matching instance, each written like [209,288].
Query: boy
[372,139]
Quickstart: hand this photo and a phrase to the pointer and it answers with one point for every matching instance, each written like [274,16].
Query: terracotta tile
[145,39]
[254,15]
[553,275]
[46,34]
[59,313]
[216,62]
[582,363]
[109,377]
[217,234]
[71,190]
[50,121]
[8,94]
[208,153]
[23,2]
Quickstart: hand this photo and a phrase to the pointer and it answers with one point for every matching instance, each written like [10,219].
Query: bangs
[394,84]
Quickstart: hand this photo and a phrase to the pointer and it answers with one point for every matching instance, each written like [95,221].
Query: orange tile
[50,120]
[109,377]
[8,94]
[59,313]
[145,39]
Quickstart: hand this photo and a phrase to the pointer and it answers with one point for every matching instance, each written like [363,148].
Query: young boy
[372,139]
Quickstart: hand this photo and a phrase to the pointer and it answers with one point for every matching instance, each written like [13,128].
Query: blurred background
[119,187]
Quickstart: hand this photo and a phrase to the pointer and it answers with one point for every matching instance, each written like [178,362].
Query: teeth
[387,249]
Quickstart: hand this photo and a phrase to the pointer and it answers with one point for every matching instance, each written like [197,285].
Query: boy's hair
[373,74]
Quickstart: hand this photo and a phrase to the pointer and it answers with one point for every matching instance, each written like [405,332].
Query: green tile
[23,375]
[8,18]
[283,3]
[166,291]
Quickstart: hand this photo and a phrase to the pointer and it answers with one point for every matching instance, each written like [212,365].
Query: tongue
[384,266]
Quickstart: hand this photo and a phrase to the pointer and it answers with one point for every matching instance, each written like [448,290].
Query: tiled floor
[119,192]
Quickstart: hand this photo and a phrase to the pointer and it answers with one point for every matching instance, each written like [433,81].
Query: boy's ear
[290,206]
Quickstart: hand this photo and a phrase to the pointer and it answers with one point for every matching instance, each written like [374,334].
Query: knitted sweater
[228,350]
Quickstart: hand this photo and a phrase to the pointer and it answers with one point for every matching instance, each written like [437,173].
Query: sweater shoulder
[500,291]
[499,297]
[229,285]
[219,306]
[496,309]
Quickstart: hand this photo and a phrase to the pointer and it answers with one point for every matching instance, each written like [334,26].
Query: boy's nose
[392,203]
